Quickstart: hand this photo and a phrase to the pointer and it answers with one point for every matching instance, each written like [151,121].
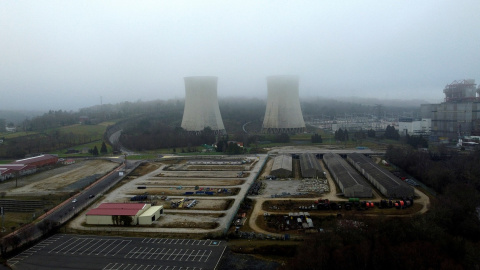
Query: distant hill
[17,116]
[405,103]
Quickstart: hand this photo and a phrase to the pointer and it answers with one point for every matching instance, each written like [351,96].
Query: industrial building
[8,171]
[201,105]
[38,161]
[282,166]
[108,213]
[458,115]
[283,113]
[387,183]
[350,182]
[310,166]
[414,126]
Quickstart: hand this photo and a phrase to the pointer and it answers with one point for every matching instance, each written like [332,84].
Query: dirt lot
[80,175]
[199,174]
[191,182]
[178,192]
[205,204]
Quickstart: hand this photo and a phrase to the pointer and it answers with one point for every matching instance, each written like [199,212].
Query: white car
[74,201]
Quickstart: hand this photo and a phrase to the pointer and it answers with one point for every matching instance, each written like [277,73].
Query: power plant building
[387,183]
[282,166]
[459,115]
[201,105]
[283,113]
[350,182]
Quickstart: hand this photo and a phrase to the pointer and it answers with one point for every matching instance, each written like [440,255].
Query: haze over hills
[17,116]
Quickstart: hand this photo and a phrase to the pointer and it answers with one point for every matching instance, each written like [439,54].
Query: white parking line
[147,253]
[88,246]
[166,253]
[78,243]
[59,247]
[103,242]
[159,253]
[128,242]
[177,255]
[113,242]
[153,253]
[140,252]
[185,253]
[171,254]
[132,251]
[208,256]
[190,255]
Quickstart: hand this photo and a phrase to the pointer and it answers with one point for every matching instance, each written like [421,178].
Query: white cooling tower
[283,113]
[201,105]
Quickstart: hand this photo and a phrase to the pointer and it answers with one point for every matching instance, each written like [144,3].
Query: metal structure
[282,166]
[310,166]
[201,105]
[283,113]
[350,182]
[387,183]
[463,90]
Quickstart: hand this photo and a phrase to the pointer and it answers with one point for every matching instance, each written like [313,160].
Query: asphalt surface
[63,251]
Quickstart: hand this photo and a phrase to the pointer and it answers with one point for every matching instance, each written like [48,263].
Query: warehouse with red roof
[38,161]
[115,213]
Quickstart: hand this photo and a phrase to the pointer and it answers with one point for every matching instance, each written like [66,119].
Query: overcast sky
[69,54]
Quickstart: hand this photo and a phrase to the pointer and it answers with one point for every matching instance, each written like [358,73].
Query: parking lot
[93,252]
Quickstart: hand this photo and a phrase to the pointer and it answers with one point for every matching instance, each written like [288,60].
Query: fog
[72,54]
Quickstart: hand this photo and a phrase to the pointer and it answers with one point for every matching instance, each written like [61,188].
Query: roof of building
[151,211]
[117,209]
[16,167]
[347,175]
[282,162]
[35,159]
[309,165]
[383,177]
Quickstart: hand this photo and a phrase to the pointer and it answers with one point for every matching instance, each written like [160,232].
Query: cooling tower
[283,113]
[201,105]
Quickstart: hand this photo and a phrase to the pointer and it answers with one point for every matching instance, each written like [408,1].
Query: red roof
[116,209]
[35,159]
[16,167]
